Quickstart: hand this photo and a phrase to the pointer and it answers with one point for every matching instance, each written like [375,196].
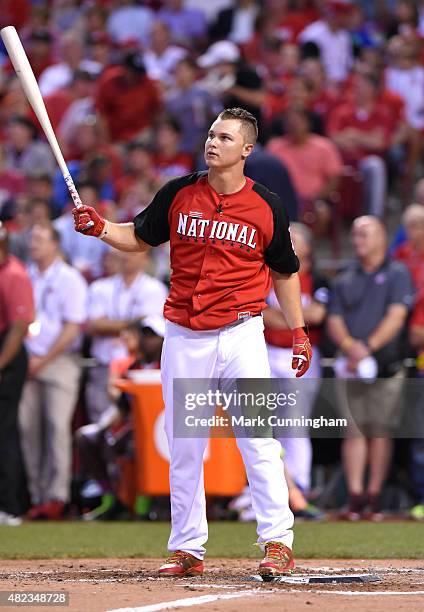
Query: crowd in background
[131,88]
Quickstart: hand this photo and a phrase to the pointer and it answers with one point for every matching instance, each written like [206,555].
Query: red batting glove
[302,351]
[88,221]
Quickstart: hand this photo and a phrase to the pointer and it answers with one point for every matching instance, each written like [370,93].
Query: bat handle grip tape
[72,190]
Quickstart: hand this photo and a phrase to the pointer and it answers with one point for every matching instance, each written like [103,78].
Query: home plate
[324,579]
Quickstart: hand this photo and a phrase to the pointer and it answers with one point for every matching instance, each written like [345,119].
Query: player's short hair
[249,125]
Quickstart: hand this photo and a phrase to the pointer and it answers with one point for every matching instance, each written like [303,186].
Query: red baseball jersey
[16,296]
[222,246]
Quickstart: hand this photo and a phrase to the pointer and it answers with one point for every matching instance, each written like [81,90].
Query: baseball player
[228,235]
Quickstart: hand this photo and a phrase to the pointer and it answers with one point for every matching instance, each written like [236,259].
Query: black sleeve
[279,254]
[152,225]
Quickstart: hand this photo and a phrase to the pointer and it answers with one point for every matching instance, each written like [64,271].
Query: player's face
[225,145]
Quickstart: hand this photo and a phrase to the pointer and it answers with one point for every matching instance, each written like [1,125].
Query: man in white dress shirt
[332,39]
[50,394]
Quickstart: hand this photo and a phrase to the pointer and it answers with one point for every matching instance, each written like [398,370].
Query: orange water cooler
[224,470]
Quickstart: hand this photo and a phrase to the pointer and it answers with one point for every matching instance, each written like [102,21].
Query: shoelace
[274,550]
[176,556]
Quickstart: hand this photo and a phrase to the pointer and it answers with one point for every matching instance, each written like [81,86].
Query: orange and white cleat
[278,560]
[181,563]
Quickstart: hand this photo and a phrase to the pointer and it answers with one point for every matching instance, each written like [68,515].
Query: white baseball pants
[237,351]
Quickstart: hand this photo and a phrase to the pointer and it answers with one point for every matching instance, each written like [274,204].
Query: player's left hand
[302,351]
[88,221]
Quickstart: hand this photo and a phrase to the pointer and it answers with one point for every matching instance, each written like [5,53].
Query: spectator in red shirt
[16,313]
[169,162]
[127,99]
[363,130]
[411,253]
[403,143]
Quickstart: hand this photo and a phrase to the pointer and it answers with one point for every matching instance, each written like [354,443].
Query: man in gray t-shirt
[369,305]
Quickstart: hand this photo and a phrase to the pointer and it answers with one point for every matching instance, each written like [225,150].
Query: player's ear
[247,149]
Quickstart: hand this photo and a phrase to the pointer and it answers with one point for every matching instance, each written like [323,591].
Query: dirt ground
[99,585]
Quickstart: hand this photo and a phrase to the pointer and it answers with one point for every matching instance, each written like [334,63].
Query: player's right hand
[88,221]
[302,351]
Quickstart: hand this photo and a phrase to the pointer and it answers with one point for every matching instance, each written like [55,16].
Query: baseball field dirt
[113,566]
[100,585]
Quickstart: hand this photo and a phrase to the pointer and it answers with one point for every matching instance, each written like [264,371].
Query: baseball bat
[29,84]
